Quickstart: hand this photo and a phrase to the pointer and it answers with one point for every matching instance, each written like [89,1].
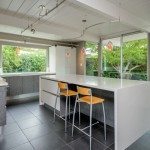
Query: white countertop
[110,84]
[24,74]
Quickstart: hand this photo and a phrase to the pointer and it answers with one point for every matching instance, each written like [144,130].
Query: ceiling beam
[51,31]
[115,11]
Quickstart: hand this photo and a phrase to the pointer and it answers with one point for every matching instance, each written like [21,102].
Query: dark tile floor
[30,127]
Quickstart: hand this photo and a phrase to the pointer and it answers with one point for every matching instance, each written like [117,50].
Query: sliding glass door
[134,50]
[122,57]
[111,49]
[91,50]
[125,56]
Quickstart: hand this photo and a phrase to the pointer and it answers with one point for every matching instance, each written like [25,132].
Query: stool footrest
[82,130]
[62,118]
[92,125]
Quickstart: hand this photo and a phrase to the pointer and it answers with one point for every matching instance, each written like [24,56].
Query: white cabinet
[48,91]
[49,85]
[62,60]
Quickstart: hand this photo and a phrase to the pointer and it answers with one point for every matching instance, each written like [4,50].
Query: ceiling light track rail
[47,13]
[91,26]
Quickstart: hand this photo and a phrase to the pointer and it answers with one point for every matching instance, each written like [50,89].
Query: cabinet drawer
[49,99]
[48,85]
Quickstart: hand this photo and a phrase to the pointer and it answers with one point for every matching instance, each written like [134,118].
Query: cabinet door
[49,99]
[60,60]
[49,85]
[36,84]
[8,88]
[2,106]
[15,85]
[70,64]
[28,84]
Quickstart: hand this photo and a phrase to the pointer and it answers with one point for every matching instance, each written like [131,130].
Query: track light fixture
[43,10]
[32,30]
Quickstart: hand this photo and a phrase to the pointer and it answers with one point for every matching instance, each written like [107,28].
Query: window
[23,59]
[111,58]
[91,58]
[135,56]
[130,61]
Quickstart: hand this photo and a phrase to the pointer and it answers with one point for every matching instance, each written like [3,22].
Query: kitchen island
[127,103]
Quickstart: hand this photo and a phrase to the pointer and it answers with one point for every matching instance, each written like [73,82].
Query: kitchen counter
[110,84]
[127,103]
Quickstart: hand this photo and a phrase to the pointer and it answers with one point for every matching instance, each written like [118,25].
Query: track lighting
[32,30]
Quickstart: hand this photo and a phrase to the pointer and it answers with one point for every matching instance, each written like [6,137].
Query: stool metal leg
[66,113]
[79,114]
[55,105]
[104,120]
[69,107]
[90,126]
[74,112]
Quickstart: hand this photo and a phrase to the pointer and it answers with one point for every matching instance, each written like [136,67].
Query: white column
[1,58]
[47,60]
[100,71]
[148,58]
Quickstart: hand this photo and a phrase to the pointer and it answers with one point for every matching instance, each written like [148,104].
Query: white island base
[131,103]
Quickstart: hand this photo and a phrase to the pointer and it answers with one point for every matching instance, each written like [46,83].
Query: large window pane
[111,58]
[23,59]
[91,58]
[135,56]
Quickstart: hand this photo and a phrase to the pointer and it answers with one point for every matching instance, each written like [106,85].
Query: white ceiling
[139,8]
[66,21]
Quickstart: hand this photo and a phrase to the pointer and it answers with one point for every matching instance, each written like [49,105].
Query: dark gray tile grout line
[79,137]
[56,134]
[107,147]
[37,125]
[22,133]
[110,145]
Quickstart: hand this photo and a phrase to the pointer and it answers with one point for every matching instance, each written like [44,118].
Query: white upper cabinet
[62,60]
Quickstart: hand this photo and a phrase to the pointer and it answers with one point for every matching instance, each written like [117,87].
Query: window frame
[23,45]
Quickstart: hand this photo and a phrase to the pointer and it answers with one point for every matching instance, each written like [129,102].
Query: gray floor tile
[9,119]
[37,131]
[112,147]
[66,147]
[12,140]
[37,125]
[83,144]
[45,118]
[142,143]
[58,125]
[67,137]
[26,146]
[24,124]
[11,128]
[98,133]
[47,142]
[22,116]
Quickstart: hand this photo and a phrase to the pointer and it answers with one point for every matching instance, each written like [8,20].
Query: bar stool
[64,91]
[85,96]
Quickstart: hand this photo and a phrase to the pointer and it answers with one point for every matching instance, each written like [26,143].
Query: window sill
[26,74]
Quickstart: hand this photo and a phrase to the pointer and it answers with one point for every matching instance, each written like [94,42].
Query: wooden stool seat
[95,100]
[68,93]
